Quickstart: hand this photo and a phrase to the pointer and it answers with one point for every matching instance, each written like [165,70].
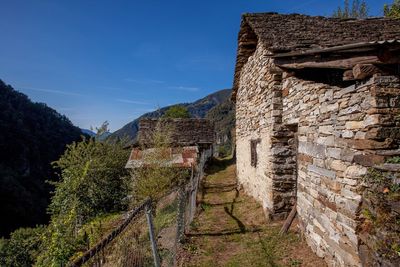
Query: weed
[394,160]
[368,215]
[191,248]
[295,262]
[205,206]
[166,216]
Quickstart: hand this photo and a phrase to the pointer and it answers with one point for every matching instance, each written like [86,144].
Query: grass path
[231,229]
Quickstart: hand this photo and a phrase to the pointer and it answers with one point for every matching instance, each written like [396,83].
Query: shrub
[22,248]
[93,182]
[177,112]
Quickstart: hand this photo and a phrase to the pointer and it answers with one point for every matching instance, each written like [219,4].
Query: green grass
[232,230]
[166,216]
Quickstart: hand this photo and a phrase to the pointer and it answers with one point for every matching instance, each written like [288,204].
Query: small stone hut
[188,138]
[316,105]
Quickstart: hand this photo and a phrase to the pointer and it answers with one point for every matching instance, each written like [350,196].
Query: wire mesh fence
[150,234]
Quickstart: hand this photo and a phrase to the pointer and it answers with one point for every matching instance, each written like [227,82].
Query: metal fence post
[151,233]
[181,214]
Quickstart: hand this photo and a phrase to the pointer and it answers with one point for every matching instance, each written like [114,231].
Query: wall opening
[253,152]
[332,77]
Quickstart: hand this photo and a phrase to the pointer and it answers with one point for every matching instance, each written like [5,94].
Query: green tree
[32,136]
[393,10]
[93,182]
[102,129]
[359,9]
[22,248]
[176,112]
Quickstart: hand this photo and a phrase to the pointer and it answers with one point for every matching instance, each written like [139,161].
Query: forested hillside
[32,136]
[223,116]
[197,109]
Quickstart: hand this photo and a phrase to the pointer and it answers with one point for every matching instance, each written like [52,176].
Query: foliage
[22,248]
[223,117]
[102,129]
[379,218]
[177,111]
[93,179]
[32,135]
[224,151]
[156,176]
[166,216]
[358,10]
[103,132]
[93,182]
[395,160]
[393,10]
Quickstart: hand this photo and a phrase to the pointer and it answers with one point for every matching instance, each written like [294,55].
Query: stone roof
[184,157]
[183,132]
[298,33]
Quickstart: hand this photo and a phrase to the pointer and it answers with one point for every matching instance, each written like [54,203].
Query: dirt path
[231,230]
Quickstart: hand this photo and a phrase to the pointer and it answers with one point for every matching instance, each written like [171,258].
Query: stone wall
[316,142]
[341,131]
[182,132]
[258,118]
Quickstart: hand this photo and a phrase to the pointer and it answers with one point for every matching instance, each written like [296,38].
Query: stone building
[187,139]
[316,105]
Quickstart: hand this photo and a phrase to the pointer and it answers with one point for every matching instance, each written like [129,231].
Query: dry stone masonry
[314,111]
[182,132]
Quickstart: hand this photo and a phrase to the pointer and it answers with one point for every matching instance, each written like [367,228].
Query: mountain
[88,132]
[103,136]
[197,109]
[32,135]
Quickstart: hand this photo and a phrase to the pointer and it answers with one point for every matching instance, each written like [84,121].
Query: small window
[253,152]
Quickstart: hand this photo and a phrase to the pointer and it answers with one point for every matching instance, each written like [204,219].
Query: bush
[22,248]
[176,112]
[393,10]
[93,182]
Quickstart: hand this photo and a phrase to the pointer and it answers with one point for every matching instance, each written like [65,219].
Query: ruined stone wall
[181,132]
[341,131]
[258,111]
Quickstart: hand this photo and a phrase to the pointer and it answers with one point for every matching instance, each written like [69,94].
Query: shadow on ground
[231,229]
[216,165]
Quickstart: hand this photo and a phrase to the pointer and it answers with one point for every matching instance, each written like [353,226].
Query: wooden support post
[289,220]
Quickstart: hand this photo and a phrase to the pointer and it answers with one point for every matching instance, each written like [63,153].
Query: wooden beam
[289,220]
[362,71]
[345,64]
[348,75]
[389,57]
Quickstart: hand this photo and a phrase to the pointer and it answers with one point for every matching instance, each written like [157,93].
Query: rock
[355,171]
[368,160]
[322,171]
[354,125]
[347,134]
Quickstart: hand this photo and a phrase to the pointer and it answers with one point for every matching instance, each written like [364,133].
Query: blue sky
[115,60]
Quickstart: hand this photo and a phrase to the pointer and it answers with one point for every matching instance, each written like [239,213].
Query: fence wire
[130,243]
